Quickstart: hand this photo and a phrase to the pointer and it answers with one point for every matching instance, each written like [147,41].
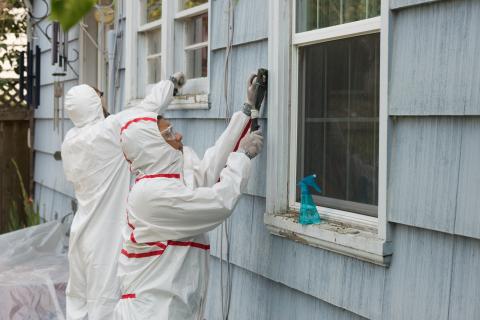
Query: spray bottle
[308,208]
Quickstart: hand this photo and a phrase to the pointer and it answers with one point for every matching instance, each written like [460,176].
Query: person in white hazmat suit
[93,161]
[176,199]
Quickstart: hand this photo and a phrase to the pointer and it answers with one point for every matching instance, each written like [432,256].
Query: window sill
[345,238]
[190,102]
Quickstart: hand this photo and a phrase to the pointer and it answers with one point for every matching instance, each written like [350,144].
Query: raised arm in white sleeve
[206,172]
[172,211]
[159,98]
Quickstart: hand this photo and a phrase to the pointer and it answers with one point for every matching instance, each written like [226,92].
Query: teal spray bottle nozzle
[308,208]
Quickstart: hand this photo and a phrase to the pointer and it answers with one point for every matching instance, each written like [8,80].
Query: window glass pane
[154,10]
[316,14]
[373,8]
[197,29]
[197,63]
[154,70]
[187,4]
[338,121]
[153,57]
[154,41]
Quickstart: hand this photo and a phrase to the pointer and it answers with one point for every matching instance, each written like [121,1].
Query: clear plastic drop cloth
[33,273]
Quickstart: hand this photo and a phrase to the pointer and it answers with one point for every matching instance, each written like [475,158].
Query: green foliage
[154,10]
[13,21]
[30,212]
[193,3]
[70,12]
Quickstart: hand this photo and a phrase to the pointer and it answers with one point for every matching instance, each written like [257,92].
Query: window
[338,121]
[191,52]
[329,68]
[173,36]
[336,126]
[149,45]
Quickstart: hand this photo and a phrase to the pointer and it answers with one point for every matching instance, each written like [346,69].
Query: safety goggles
[169,133]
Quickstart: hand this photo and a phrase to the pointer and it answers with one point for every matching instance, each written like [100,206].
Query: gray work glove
[251,94]
[178,79]
[251,144]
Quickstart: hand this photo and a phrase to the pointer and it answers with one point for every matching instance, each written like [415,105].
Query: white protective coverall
[94,163]
[175,200]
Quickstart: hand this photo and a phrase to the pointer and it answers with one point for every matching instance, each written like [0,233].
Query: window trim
[374,245]
[170,14]
[336,32]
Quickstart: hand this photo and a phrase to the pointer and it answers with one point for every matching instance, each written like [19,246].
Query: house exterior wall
[53,193]
[433,177]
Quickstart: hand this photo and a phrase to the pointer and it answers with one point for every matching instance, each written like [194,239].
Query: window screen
[338,121]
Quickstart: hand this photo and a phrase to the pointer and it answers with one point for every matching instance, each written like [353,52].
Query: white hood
[146,149]
[83,105]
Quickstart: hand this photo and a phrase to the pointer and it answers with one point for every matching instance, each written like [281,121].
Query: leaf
[70,12]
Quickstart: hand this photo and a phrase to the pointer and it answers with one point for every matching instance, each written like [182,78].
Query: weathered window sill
[189,102]
[340,237]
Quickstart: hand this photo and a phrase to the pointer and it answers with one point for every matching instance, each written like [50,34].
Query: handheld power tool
[261,85]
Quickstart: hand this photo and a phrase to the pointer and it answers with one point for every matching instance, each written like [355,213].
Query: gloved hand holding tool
[251,144]
[178,79]
[256,90]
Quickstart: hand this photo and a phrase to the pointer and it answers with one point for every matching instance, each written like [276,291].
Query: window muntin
[316,14]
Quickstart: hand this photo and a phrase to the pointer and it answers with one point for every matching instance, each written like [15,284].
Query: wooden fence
[16,127]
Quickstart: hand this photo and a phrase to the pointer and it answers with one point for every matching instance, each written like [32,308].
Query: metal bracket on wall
[33,69]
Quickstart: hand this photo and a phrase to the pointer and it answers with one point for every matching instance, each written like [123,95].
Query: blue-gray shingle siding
[432,190]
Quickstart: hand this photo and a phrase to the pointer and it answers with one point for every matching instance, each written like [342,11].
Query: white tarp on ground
[33,273]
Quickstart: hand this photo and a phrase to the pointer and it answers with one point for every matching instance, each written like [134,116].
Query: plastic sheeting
[33,273]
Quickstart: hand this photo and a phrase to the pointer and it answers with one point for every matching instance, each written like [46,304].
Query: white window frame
[195,93]
[98,42]
[352,234]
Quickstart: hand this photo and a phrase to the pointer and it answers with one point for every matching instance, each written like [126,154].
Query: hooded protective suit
[94,163]
[175,200]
